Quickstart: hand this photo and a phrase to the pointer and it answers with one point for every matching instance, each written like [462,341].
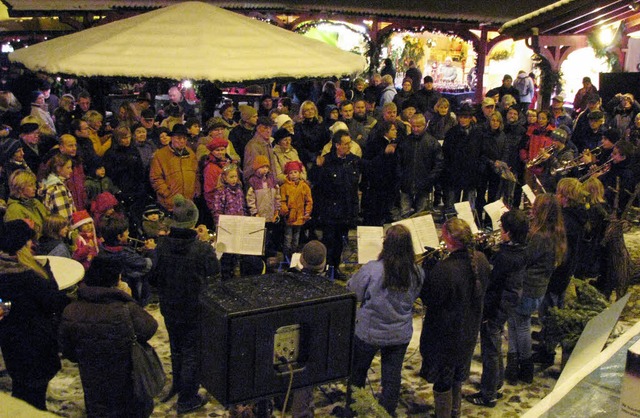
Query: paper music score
[423,232]
[495,211]
[531,196]
[466,214]
[240,235]
[369,243]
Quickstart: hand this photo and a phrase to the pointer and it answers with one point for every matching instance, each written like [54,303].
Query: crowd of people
[133,201]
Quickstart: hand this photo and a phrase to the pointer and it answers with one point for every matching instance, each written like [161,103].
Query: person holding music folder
[453,294]
[186,264]
[502,297]
[386,289]
[96,332]
[28,334]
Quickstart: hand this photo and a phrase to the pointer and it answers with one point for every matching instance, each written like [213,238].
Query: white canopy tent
[189,40]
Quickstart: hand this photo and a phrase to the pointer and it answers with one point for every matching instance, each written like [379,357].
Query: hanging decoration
[610,49]
[413,51]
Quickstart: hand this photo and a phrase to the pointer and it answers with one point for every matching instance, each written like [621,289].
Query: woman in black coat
[453,294]
[27,332]
[96,331]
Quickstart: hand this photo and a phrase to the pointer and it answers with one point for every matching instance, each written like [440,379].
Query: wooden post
[482,56]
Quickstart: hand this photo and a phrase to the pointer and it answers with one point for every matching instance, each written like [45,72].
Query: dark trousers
[184,343]
[392,357]
[332,238]
[492,362]
[33,393]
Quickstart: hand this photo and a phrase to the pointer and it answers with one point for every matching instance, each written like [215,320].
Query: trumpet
[598,171]
[543,155]
[578,162]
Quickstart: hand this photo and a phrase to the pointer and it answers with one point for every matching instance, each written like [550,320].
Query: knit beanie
[314,256]
[217,143]
[292,165]
[260,161]
[103,202]
[281,120]
[247,112]
[35,94]
[14,235]
[185,212]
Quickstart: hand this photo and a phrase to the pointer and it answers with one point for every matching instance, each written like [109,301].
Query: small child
[86,241]
[263,199]
[54,233]
[500,302]
[228,199]
[104,206]
[153,222]
[295,205]
[97,182]
[115,236]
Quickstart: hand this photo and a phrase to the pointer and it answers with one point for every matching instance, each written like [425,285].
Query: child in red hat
[86,241]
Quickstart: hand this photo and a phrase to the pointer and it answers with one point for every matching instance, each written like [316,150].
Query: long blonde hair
[548,222]
[26,258]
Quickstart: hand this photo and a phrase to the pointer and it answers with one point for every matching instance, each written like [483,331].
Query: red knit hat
[217,143]
[103,202]
[80,218]
[261,161]
[292,165]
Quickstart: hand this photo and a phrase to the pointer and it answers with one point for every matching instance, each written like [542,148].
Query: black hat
[148,114]
[428,79]
[14,235]
[281,134]
[465,110]
[410,102]
[265,121]
[179,130]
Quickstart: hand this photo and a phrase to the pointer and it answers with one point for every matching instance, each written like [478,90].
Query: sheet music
[495,211]
[240,235]
[369,243]
[295,261]
[466,214]
[423,232]
[531,197]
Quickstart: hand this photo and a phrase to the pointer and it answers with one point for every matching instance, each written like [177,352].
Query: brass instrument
[488,240]
[543,155]
[577,162]
[598,171]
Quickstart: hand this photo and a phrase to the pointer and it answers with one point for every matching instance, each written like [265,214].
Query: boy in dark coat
[185,266]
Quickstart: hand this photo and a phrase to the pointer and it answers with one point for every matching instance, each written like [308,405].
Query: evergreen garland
[564,325]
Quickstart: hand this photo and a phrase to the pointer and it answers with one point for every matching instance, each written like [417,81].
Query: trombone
[598,171]
[543,155]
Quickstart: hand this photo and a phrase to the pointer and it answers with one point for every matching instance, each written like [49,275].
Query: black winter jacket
[185,267]
[96,333]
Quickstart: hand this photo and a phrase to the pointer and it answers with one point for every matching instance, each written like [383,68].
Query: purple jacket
[229,201]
